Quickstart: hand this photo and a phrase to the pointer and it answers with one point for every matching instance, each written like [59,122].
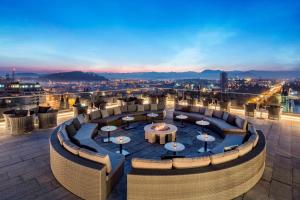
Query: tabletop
[206,138]
[127,118]
[152,115]
[121,140]
[108,128]
[174,146]
[202,123]
[181,117]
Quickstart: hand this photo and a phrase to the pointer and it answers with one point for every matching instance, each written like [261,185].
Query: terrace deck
[25,170]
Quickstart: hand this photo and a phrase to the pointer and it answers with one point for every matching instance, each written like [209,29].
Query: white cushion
[184,163]
[131,108]
[95,115]
[96,157]
[60,138]
[140,108]
[224,157]
[245,148]
[151,164]
[153,107]
[72,148]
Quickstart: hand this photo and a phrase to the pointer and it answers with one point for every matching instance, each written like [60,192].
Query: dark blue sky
[143,35]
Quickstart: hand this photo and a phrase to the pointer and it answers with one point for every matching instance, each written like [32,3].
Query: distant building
[224,81]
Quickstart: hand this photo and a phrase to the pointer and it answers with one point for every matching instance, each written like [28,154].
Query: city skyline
[140,36]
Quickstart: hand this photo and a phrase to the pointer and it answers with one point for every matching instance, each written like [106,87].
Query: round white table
[174,147]
[120,140]
[152,116]
[202,123]
[181,117]
[108,129]
[127,119]
[205,138]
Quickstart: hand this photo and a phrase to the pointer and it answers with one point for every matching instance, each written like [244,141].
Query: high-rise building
[224,81]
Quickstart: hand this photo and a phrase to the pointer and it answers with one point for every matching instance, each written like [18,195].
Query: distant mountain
[206,74]
[27,75]
[73,76]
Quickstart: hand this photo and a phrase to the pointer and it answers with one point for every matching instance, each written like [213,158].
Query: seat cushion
[140,163]
[132,108]
[178,107]
[117,111]
[254,139]
[195,109]
[140,108]
[96,157]
[86,131]
[229,140]
[95,115]
[104,113]
[72,148]
[245,148]
[184,163]
[146,107]
[153,107]
[224,157]
[60,137]
[124,109]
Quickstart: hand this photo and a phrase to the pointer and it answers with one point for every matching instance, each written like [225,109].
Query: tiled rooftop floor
[25,172]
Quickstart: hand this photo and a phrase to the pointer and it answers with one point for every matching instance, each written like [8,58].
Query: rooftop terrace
[25,169]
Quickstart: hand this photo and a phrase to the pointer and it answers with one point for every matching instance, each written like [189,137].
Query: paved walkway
[25,171]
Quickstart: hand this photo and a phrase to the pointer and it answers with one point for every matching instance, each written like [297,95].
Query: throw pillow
[239,122]
[195,109]
[225,116]
[71,130]
[76,124]
[202,110]
[218,114]
[140,108]
[81,118]
[153,107]
[104,113]
[231,119]
[178,107]
[208,112]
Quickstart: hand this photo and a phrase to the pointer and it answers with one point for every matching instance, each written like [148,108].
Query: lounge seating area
[74,150]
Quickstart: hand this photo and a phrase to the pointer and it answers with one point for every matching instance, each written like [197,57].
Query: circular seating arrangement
[91,171]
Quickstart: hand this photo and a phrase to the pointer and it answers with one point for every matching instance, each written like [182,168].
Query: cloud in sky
[149,36]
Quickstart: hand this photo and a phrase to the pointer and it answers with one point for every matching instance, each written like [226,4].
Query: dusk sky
[143,35]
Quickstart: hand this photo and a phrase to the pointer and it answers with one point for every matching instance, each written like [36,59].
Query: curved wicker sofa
[224,174]
[221,181]
[92,176]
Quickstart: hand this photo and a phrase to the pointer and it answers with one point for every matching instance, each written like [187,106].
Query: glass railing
[65,101]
